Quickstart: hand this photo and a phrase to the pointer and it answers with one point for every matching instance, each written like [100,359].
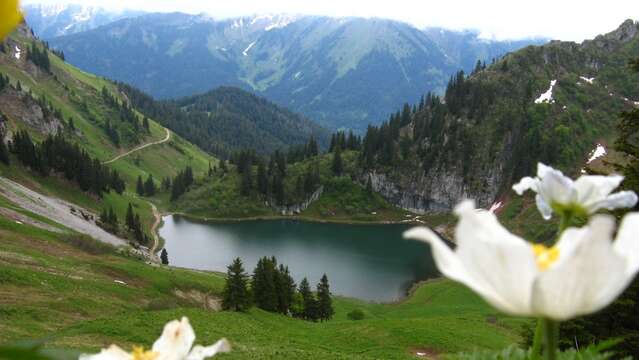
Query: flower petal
[554,187]
[543,207]
[112,353]
[200,352]
[588,276]
[496,259]
[450,265]
[627,242]
[176,340]
[620,200]
[524,184]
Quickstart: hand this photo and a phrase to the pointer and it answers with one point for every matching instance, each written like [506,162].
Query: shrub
[356,314]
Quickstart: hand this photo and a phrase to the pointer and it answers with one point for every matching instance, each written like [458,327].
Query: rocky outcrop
[21,106]
[438,191]
[296,209]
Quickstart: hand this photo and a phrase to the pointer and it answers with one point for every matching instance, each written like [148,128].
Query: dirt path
[141,147]
[154,231]
[60,211]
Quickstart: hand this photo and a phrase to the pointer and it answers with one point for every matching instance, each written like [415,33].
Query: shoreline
[298,218]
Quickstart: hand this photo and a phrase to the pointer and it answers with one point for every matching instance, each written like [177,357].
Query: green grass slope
[63,289]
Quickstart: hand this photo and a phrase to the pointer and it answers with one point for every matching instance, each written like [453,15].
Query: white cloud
[501,19]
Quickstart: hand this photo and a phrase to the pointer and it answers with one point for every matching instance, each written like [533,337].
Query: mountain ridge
[342,73]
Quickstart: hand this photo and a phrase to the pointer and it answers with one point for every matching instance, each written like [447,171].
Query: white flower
[590,193]
[582,274]
[174,344]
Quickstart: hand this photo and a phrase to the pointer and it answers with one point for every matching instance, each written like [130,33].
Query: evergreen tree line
[134,226]
[227,120]
[146,188]
[297,153]
[345,142]
[273,289]
[269,181]
[109,220]
[125,114]
[56,154]
[40,57]
[181,183]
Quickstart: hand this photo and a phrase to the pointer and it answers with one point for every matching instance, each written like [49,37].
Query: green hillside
[65,99]
[52,289]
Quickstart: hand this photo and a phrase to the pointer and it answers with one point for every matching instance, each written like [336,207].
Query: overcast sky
[502,19]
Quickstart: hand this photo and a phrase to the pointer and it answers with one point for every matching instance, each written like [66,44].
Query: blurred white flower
[582,274]
[588,194]
[174,344]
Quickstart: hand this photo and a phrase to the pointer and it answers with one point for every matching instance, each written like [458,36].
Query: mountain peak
[625,33]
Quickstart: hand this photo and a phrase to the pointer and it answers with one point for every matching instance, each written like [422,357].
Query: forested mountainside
[342,73]
[74,136]
[550,103]
[229,119]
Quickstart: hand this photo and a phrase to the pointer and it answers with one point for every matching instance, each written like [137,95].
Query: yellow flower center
[545,256]
[140,354]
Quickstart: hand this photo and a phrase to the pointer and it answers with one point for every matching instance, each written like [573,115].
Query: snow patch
[19,222]
[495,206]
[586,79]
[245,52]
[636,103]
[595,154]
[297,75]
[18,53]
[547,96]
[238,23]
[281,22]
[119,282]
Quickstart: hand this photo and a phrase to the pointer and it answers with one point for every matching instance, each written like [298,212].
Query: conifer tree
[4,152]
[145,124]
[325,309]
[149,186]
[236,296]
[247,180]
[164,257]
[140,186]
[112,217]
[262,179]
[285,286]
[130,218]
[263,285]
[308,300]
[278,189]
[337,166]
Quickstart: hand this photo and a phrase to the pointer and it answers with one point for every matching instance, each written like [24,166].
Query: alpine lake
[368,262]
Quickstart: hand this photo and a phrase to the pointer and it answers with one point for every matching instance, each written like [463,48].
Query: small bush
[88,244]
[356,314]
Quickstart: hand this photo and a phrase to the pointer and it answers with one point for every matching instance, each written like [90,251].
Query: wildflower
[174,344]
[585,196]
[584,272]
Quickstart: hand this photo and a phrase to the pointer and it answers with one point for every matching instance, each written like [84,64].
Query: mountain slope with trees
[552,103]
[228,119]
[340,72]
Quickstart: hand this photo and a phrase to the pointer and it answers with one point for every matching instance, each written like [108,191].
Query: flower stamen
[140,354]
[545,256]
